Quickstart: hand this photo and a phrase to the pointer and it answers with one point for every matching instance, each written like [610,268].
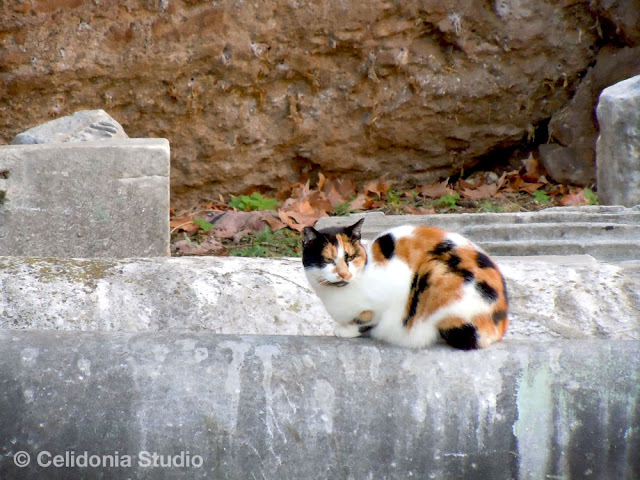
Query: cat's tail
[483,330]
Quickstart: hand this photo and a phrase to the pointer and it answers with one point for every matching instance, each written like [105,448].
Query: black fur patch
[499,316]
[443,247]
[466,274]
[387,245]
[365,331]
[487,291]
[463,338]
[414,300]
[453,262]
[418,285]
[312,254]
[484,261]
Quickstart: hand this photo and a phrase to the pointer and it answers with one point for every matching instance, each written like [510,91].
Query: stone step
[605,232]
[616,249]
[551,297]
[552,231]
[200,405]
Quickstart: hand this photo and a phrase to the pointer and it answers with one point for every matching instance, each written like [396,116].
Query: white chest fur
[380,288]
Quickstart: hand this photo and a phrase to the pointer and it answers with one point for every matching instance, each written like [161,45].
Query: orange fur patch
[376,254]
[330,251]
[445,283]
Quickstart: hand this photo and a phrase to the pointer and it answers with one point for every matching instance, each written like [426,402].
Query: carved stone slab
[106,198]
[82,126]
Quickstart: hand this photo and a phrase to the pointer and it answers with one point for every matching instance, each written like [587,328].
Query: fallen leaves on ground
[217,227]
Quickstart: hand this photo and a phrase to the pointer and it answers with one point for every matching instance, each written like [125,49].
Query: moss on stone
[47,270]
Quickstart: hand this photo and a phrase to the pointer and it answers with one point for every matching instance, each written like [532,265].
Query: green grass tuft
[255,201]
[281,243]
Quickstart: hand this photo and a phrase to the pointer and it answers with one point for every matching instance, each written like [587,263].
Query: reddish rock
[253,94]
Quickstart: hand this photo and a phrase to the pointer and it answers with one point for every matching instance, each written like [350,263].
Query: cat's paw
[346,331]
[364,317]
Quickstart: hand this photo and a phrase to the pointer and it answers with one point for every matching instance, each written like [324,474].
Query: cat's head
[333,257]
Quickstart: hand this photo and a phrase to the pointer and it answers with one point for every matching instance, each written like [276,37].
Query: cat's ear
[309,234]
[355,230]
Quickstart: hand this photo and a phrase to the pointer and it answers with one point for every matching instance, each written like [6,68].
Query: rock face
[574,129]
[618,147]
[252,95]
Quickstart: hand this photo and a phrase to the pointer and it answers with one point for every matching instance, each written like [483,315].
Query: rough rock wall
[252,93]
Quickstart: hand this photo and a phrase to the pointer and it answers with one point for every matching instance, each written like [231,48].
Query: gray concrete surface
[604,232]
[551,297]
[82,126]
[618,145]
[248,407]
[105,198]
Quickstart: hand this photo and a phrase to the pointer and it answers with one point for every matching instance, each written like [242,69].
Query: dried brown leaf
[346,187]
[530,187]
[185,247]
[464,185]
[378,187]
[275,224]
[297,220]
[532,169]
[334,196]
[183,224]
[229,224]
[359,203]
[436,190]
[321,181]
[483,191]
[576,198]
[420,211]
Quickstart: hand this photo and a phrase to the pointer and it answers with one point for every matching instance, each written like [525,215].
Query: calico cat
[411,285]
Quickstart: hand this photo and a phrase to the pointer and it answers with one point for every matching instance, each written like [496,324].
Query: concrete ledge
[301,407]
[551,297]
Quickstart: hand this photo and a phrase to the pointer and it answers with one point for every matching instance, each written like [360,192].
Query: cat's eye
[349,258]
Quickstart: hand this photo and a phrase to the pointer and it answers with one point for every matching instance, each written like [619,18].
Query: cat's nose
[344,274]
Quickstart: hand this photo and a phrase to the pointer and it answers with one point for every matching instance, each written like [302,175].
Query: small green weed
[541,196]
[203,224]
[392,197]
[281,243]
[448,201]
[488,207]
[255,201]
[342,209]
[591,196]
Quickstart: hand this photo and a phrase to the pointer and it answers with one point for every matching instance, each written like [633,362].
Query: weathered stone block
[90,199]
[82,126]
[618,146]
[551,297]
[250,407]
